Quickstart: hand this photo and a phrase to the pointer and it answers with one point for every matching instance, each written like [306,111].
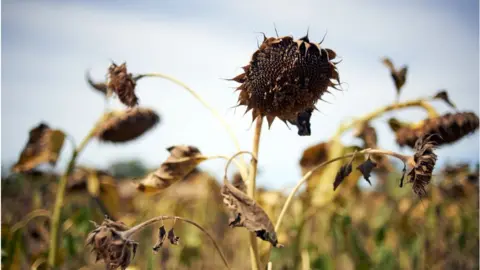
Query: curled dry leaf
[302,122]
[172,237]
[344,171]
[443,95]
[399,76]
[124,126]
[99,86]
[248,214]
[43,146]
[366,168]
[162,235]
[182,160]
[239,183]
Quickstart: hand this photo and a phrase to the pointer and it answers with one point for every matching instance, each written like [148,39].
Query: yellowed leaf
[43,146]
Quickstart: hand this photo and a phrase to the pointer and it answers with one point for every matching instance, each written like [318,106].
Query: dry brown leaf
[44,145]
[248,214]
[344,171]
[399,76]
[172,237]
[443,95]
[182,160]
[162,235]
[366,168]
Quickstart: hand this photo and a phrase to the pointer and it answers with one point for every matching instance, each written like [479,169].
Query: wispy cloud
[48,45]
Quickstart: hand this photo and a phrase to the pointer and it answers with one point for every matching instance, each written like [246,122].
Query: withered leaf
[404,171]
[182,160]
[443,95]
[344,171]
[172,237]
[303,122]
[43,146]
[99,86]
[399,76]
[366,169]
[162,235]
[239,183]
[248,214]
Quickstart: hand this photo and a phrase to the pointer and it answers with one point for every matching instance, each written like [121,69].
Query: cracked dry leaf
[302,122]
[344,171]
[248,214]
[162,235]
[172,237]
[443,95]
[182,160]
[43,146]
[366,168]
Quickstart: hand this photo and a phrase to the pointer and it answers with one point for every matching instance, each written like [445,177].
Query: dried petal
[162,235]
[124,126]
[448,128]
[123,84]
[44,145]
[443,95]
[172,237]
[285,77]
[344,171]
[366,169]
[248,214]
[182,160]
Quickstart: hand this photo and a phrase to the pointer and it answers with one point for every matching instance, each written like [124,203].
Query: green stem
[57,208]
[254,257]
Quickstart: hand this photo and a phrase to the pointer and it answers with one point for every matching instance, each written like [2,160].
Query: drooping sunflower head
[286,77]
[448,128]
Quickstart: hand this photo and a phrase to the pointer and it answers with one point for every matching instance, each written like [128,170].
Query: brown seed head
[286,77]
[109,245]
[123,84]
[448,128]
[314,155]
[425,160]
[127,125]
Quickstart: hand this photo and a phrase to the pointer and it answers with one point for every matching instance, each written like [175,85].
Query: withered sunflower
[123,84]
[127,125]
[424,159]
[448,128]
[286,77]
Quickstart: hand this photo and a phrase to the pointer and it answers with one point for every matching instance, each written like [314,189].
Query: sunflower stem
[392,107]
[204,103]
[254,257]
[55,232]
[306,177]
[129,233]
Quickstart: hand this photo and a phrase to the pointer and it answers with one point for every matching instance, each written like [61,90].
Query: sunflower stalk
[57,208]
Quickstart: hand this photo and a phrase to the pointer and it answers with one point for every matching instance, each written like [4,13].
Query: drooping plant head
[447,128]
[285,78]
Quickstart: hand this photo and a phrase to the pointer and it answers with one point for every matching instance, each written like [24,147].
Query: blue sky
[48,45]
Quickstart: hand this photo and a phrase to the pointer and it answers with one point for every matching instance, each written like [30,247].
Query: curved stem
[232,158]
[29,217]
[57,208]
[412,103]
[307,176]
[254,257]
[129,233]
[204,103]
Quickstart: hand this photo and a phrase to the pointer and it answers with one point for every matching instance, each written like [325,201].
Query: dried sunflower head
[424,159]
[109,245]
[122,83]
[448,128]
[313,156]
[286,77]
[123,126]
